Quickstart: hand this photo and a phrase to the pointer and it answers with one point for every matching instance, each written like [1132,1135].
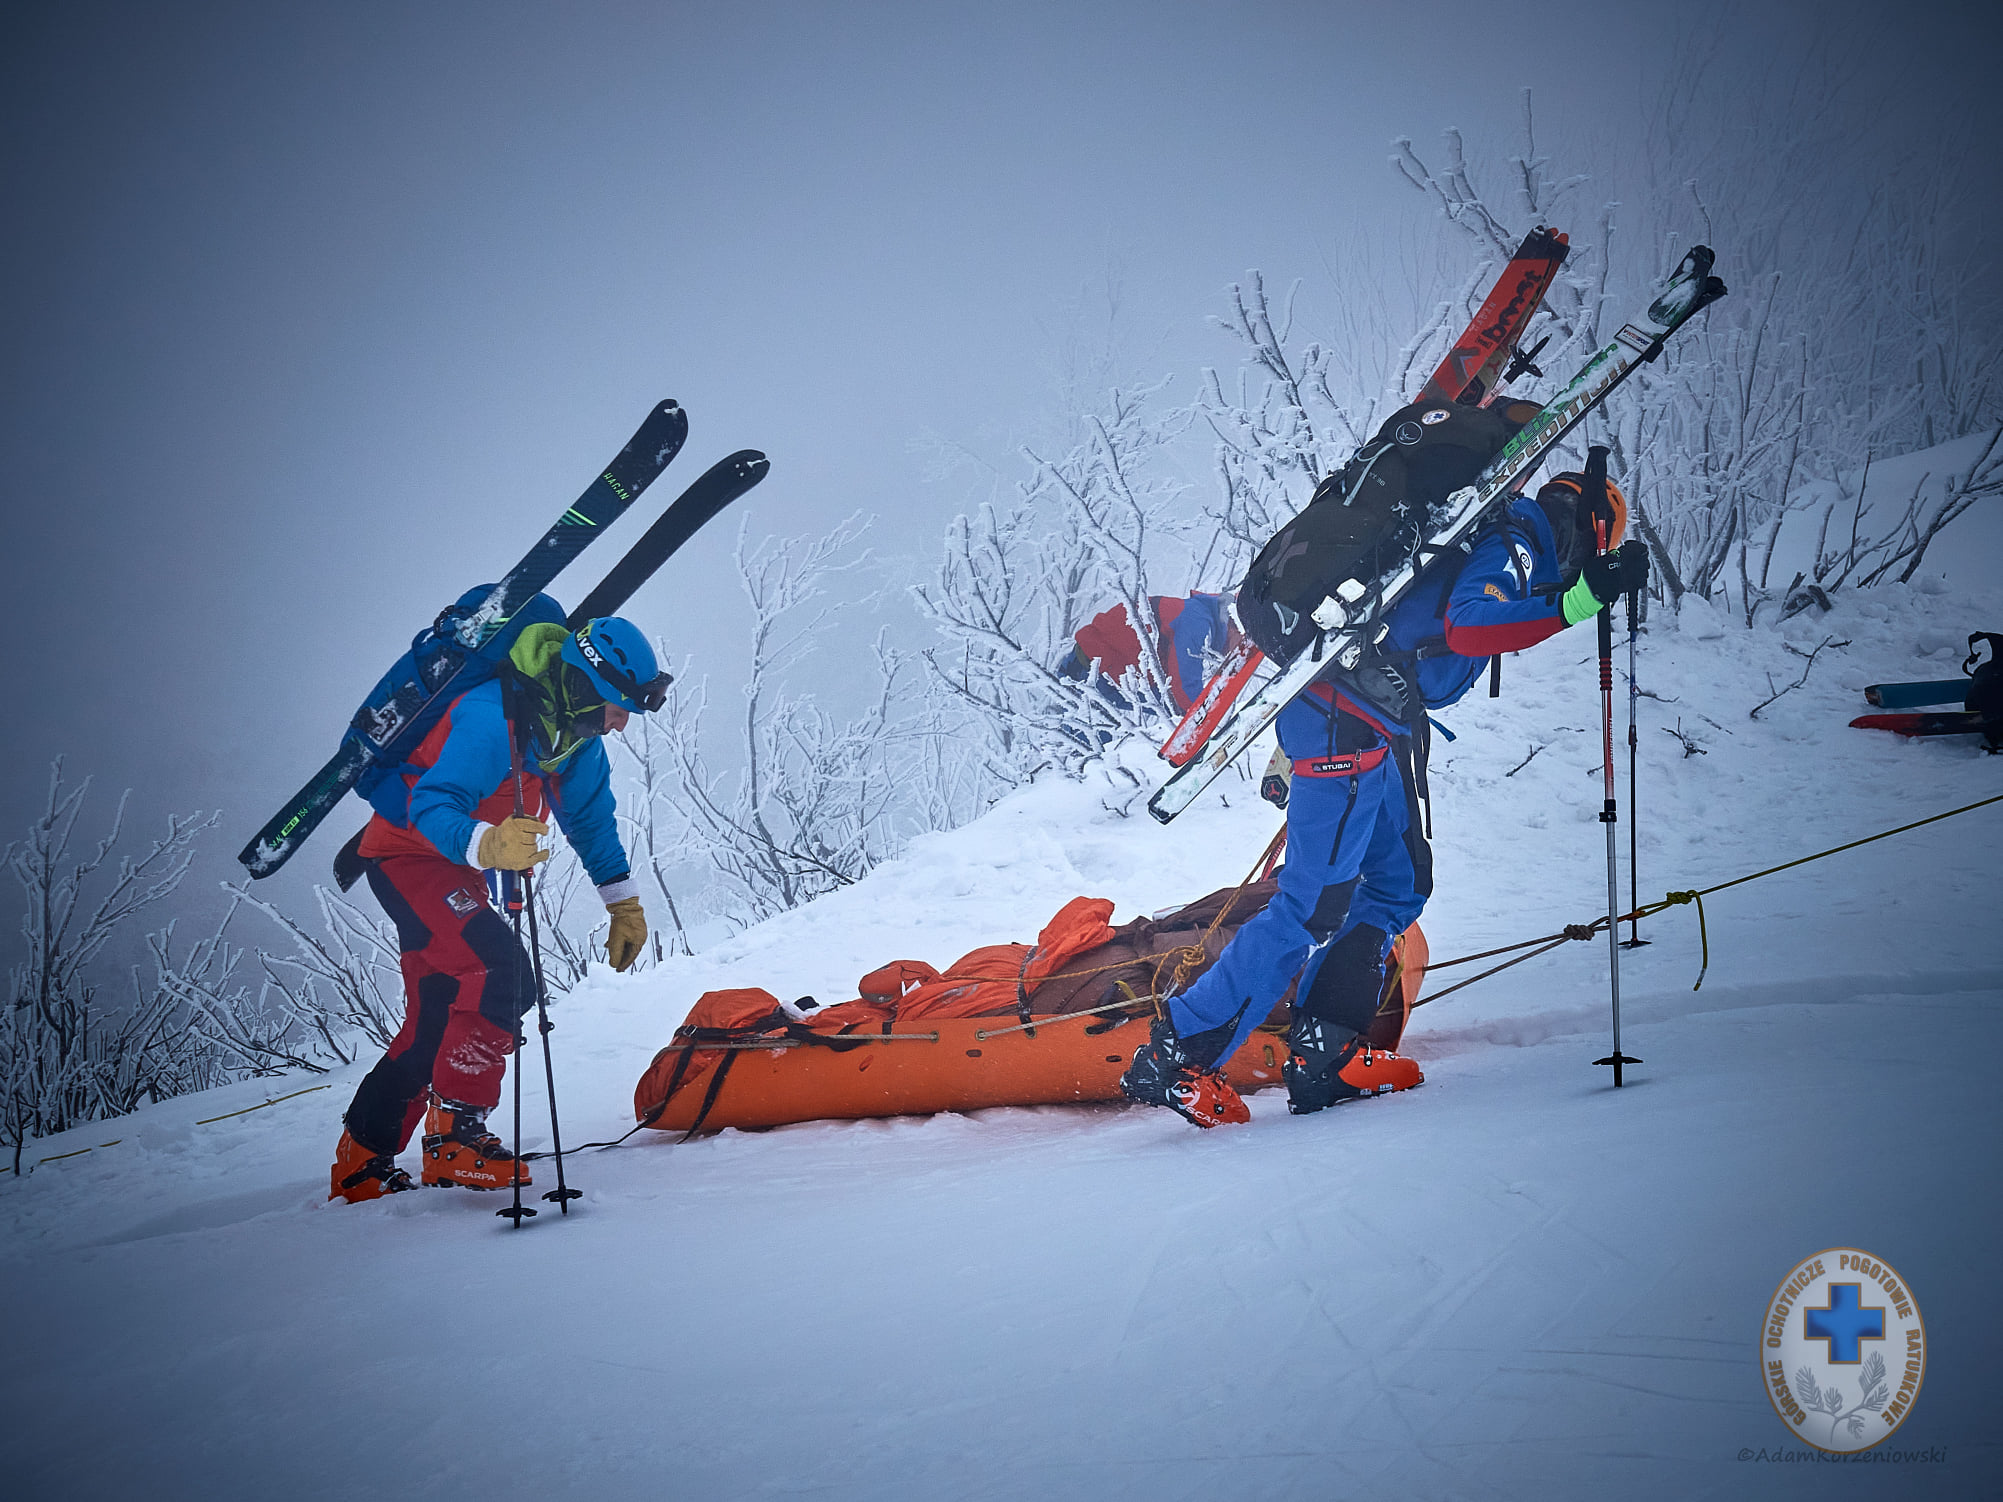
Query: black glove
[1623,571]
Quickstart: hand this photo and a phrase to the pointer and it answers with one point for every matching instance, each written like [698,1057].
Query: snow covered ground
[1512,1282]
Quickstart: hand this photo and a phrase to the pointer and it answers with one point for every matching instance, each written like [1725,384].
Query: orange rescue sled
[1008,1025]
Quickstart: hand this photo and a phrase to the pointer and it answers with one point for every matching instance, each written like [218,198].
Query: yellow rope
[1574,931]
[981,1034]
[204,1121]
[78,1153]
[262,1104]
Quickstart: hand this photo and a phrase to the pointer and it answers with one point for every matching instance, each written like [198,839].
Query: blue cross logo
[1844,1324]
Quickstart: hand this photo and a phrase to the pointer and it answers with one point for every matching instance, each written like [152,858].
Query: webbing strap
[1347,765]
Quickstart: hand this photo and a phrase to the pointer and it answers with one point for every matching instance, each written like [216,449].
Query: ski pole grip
[1594,494]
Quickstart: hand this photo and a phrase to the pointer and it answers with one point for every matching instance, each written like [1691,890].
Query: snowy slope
[1514,1281]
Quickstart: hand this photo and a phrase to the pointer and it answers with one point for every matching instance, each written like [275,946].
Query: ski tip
[1544,243]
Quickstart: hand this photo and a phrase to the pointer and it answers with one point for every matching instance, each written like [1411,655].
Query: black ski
[719,485]
[659,438]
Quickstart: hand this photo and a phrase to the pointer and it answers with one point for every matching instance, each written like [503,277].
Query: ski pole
[563,1194]
[1637,606]
[1594,491]
[514,891]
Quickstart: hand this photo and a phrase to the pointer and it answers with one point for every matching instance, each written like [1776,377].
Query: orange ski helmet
[1563,500]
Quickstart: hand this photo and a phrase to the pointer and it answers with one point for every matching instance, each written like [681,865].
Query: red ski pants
[466,984]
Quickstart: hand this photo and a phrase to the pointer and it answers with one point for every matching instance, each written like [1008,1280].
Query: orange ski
[1212,705]
[1475,368]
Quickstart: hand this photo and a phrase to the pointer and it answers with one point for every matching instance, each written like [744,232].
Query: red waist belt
[1347,765]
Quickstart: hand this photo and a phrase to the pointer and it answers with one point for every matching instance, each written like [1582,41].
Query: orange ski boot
[1205,1097]
[460,1152]
[1162,1075]
[360,1174]
[1328,1063]
[1378,1071]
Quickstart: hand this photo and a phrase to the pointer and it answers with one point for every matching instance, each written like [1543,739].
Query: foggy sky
[316,315]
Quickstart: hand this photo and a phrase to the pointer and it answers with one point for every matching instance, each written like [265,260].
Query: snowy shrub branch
[65,1056]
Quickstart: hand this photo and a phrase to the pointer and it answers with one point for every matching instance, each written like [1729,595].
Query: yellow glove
[627,934]
[511,844]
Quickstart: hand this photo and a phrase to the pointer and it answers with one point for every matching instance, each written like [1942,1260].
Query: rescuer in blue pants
[1355,875]
[1358,871]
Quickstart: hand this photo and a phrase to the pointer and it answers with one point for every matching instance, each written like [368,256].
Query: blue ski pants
[1350,862]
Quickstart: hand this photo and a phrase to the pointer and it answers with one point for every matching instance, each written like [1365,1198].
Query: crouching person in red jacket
[467,980]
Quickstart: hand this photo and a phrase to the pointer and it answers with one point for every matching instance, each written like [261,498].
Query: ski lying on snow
[648,452]
[1356,619]
[1917,695]
[1943,722]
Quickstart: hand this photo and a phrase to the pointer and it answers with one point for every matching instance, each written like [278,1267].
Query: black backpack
[1369,516]
[1985,687]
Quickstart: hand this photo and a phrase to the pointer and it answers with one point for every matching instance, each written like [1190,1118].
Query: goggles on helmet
[609,668]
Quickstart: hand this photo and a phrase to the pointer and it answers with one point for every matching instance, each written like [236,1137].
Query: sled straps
[1574,931]
[1022,990]
[716,1079]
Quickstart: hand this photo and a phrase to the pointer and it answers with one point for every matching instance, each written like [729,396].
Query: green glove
[1580,603]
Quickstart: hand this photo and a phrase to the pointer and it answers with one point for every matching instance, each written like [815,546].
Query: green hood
[536,656]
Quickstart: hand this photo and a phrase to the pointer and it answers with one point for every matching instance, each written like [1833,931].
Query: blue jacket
[1492,605]
[462,775]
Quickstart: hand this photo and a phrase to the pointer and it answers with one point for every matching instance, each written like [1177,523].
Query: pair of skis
[1920,697]
[607,498]
[1482,361]
[1216,733]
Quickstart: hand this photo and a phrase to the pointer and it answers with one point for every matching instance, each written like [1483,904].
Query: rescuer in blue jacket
[466,978]
[1358,868]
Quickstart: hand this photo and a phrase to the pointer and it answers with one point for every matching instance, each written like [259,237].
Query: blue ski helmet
[614,655]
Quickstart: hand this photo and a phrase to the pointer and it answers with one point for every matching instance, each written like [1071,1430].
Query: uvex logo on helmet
[620,664]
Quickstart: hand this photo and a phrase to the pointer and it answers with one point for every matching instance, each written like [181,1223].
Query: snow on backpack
[411,698]
[1369,515]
